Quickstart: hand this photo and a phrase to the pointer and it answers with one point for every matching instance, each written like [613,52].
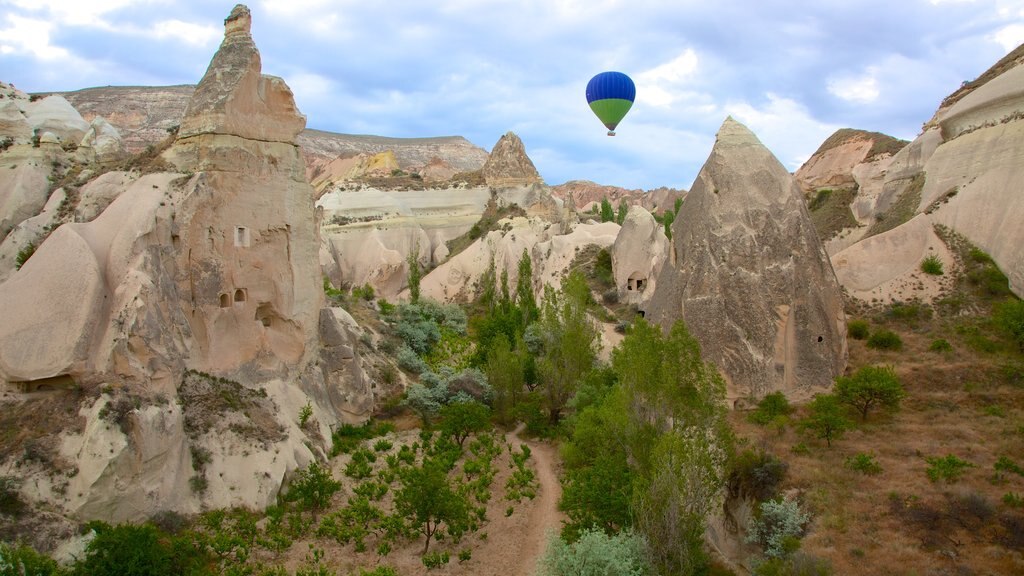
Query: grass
[901,210]
[830,211]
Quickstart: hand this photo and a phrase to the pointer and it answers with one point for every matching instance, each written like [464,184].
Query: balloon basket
[611,132]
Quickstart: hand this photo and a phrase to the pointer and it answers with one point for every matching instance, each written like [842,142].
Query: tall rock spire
[750,277]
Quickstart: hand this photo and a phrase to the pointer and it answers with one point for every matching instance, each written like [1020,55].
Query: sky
[792,71]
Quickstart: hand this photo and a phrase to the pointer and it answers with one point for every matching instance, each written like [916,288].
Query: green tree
[25,561]
[825,418]
[569,343]
[870,387]
[607,213]
[460,419]
[129,550]
[678,205]
[313,488]
[415,273]
[668,218]
[620,216]
[524,290]
[426,497]
[505,372]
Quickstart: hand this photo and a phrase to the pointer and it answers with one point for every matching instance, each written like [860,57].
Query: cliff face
[584,195]
[178,287]
[962,172]
[750,278]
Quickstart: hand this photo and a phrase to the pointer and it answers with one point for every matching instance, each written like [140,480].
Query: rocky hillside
[584,194]
[144,115]
[879,213]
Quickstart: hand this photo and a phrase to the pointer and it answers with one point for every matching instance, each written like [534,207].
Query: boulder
[56,115]
[638,254]
[101,143]
[750,278]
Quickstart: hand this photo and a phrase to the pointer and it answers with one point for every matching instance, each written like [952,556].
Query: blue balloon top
[610,85]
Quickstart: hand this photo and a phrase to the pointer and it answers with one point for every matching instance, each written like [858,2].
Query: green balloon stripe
[611,110]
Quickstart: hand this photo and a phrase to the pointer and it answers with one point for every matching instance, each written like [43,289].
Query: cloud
[30,36]
[186,32]
[1009,37]
[75,12]
[862,89]
[785,126]
[661,85]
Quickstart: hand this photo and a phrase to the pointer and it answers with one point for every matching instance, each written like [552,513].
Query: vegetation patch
[830,211]
[487,223]
[902,209]
[214,404]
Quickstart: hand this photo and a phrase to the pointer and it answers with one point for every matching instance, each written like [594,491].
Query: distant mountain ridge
[145,114]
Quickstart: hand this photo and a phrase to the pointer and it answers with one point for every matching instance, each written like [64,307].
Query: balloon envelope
[610,95]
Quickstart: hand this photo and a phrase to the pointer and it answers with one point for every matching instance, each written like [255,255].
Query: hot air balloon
[610,95]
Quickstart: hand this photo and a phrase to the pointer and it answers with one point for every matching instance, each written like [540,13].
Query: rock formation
[508,165]
[584,195]
[960,172]
[186,286]
[639,252]
[750,278]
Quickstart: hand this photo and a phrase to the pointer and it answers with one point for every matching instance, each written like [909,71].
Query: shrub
[940,345]
[932,265]
[870,387]
[23,255]
[947,468]
[435,560]
[756,474]
[798,564]
[304,414]
[779,527]
[857,329]
[1009,316]
[864,463]
[1013,500]
[1004,464]
[25,561]
[825,418]
[885,340]
[597,554]
[128,550]
[771,406]
[11,503]
[313,487]
[409,361]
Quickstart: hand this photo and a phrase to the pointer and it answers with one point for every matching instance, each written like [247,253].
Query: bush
[779,527]
[885,340]
[127,550]
[313,487]
[1013,500]
[1004,464]
[770,407]
[597,554]
[1009,316]
[864,463]
[947,468]
[409,361]
[932,265]
[798,564]
[825,418]
[11,503]
[857,329]
[23,255]
[756,474]
[870,387]
[940,345]
[435,560]
[25,561]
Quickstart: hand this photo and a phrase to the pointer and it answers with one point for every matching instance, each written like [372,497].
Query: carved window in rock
[241,237]
[240,296]
[637,284]
[225,300]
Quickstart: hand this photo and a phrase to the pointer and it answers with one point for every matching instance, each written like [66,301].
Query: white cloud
[785,126]
[862,89]
[29,36]
[1009,37]
[187,32]
[75,12]
[660,85]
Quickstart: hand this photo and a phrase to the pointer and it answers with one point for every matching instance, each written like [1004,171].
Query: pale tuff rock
[216,272]
[833,168]
[234,94]
[101,144]
[638,254]
[583,194]
[750,277]
[508,165]
[54,114]
[552,257]
[900,278]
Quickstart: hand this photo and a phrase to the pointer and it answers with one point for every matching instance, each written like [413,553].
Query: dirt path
[544,517]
